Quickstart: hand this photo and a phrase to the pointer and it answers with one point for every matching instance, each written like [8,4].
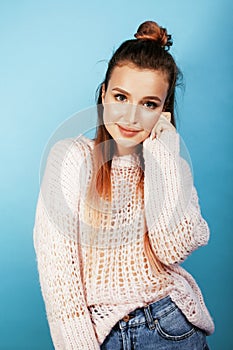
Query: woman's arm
[174,221]
[58,256]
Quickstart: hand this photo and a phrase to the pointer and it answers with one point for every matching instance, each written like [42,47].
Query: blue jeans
[158,326]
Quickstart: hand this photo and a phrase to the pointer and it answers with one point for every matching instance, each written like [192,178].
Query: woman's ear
[103,93]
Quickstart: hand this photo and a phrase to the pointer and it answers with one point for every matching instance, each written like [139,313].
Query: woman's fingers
[167,115]
[162,124]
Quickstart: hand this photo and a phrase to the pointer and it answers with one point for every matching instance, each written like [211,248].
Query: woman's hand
[164,123]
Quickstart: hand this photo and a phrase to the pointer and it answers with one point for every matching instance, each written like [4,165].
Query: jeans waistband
[148,314]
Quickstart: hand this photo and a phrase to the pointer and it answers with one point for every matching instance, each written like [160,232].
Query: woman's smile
[128,132]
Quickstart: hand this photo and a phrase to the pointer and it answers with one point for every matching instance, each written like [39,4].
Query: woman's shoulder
[66,156]
[62,171]
[77,147]
[68,143]
[84,142]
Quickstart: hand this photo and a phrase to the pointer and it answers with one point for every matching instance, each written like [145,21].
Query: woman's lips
[127,132]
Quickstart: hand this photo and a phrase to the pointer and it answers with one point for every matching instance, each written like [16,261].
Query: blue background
[52,58]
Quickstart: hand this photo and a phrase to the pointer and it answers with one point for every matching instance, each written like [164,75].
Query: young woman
[117,215]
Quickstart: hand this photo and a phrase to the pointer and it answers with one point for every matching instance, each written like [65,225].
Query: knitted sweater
[91,276]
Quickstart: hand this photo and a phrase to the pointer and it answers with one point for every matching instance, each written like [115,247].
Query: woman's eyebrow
[128,94]
[152,98]
[121,90]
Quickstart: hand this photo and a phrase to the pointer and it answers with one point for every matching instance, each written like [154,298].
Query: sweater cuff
[168,142]
[73,334]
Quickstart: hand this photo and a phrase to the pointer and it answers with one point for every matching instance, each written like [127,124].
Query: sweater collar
[128,160]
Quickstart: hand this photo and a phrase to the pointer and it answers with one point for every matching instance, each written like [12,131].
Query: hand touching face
[163,123]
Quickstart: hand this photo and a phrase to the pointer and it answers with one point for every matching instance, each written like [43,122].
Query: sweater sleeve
[58,253]
[174,221]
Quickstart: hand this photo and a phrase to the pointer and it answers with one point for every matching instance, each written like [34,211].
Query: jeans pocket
[174,326]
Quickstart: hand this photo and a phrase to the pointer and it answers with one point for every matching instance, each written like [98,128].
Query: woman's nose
[132,114]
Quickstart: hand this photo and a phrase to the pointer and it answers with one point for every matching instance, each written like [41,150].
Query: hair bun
[150,30]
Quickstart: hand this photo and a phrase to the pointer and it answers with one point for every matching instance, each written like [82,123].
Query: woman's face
[132,103]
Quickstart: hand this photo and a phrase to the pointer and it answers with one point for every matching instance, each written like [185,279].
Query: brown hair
[149,50]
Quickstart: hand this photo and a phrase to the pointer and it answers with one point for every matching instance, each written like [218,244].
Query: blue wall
[52,57]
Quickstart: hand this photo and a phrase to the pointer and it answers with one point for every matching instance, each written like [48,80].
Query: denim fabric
[159,326]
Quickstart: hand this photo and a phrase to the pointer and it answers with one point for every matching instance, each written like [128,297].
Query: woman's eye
[150,104]
[120,97]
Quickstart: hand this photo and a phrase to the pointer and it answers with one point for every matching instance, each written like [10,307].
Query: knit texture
[92,276]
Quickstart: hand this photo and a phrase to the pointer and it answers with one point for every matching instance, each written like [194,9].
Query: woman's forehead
[136,80]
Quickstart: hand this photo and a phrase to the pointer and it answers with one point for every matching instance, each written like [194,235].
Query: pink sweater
[91,277]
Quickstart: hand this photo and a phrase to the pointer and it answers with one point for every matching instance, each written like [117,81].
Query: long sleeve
[58,252]
[173,216]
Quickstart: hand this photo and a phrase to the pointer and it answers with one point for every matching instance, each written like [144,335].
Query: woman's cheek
[113,112]
[148,124]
